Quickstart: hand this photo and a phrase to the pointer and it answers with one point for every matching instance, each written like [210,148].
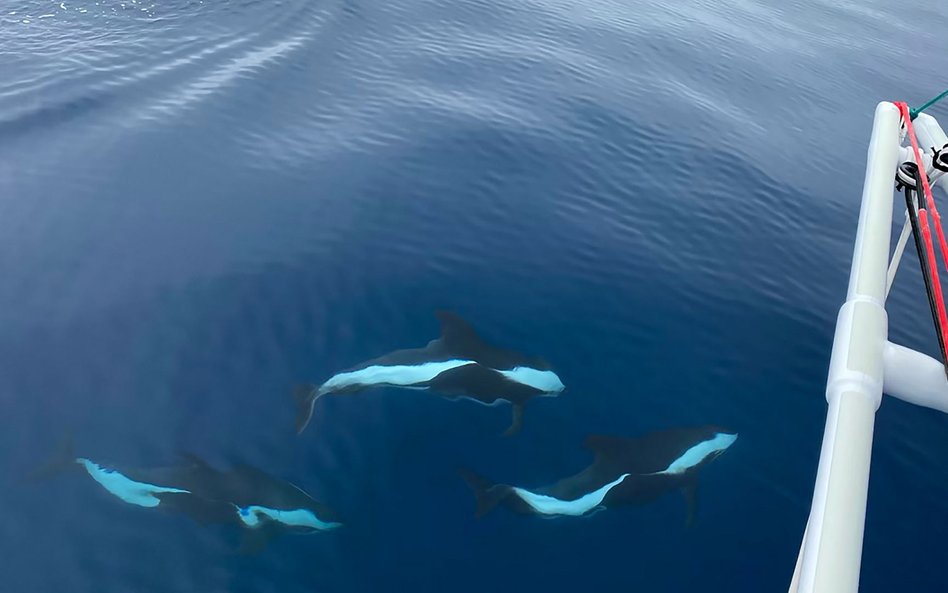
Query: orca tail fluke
[516,422]
[62,460]
[305,397]
[487,495]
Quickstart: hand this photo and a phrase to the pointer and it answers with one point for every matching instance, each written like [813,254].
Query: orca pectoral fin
[516,422]
[305,398]
[254,540]
[691,499]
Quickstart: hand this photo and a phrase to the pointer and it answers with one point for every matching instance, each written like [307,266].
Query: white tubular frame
[862,364]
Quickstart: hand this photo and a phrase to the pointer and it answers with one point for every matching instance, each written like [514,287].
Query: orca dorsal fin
[195,460]
[622,453]
[458,336]
[608,446]
[252,474]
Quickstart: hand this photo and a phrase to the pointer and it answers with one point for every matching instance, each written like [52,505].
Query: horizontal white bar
[914,377]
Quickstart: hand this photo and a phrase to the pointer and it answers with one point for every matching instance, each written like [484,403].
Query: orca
[625,471]
[264,505]
[457,365]
[175,488]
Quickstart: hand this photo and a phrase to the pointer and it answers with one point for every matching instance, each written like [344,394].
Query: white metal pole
[931,136]
[795,579]
[832,547]
[929,133]
[897,254]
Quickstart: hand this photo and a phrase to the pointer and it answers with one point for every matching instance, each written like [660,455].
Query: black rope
[914,201]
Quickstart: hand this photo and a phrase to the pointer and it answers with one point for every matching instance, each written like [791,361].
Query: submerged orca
[173,488]
[263,505]
[459,364]
[626,471]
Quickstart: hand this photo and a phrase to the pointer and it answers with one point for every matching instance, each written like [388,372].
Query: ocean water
[203,203]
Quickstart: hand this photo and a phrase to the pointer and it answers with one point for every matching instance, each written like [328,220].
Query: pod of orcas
[458,364]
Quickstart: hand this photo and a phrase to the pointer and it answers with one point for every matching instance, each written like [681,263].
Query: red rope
[924,227]
[904,108]
[939,299]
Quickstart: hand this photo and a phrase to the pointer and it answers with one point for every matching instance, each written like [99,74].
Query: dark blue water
[203,203]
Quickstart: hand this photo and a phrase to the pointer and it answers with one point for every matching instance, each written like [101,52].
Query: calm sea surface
[203,203]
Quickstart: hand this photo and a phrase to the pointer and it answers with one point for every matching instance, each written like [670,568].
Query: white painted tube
[929,133]
[915,377]
[897,255]
[832,550]
[931,136]
[795,579]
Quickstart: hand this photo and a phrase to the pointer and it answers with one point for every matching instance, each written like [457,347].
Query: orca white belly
[699,452]
[251,516]
[400,375]
[128,490]
[545,381]
[548,505]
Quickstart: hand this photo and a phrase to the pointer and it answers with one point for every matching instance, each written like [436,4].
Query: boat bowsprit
[908,158]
